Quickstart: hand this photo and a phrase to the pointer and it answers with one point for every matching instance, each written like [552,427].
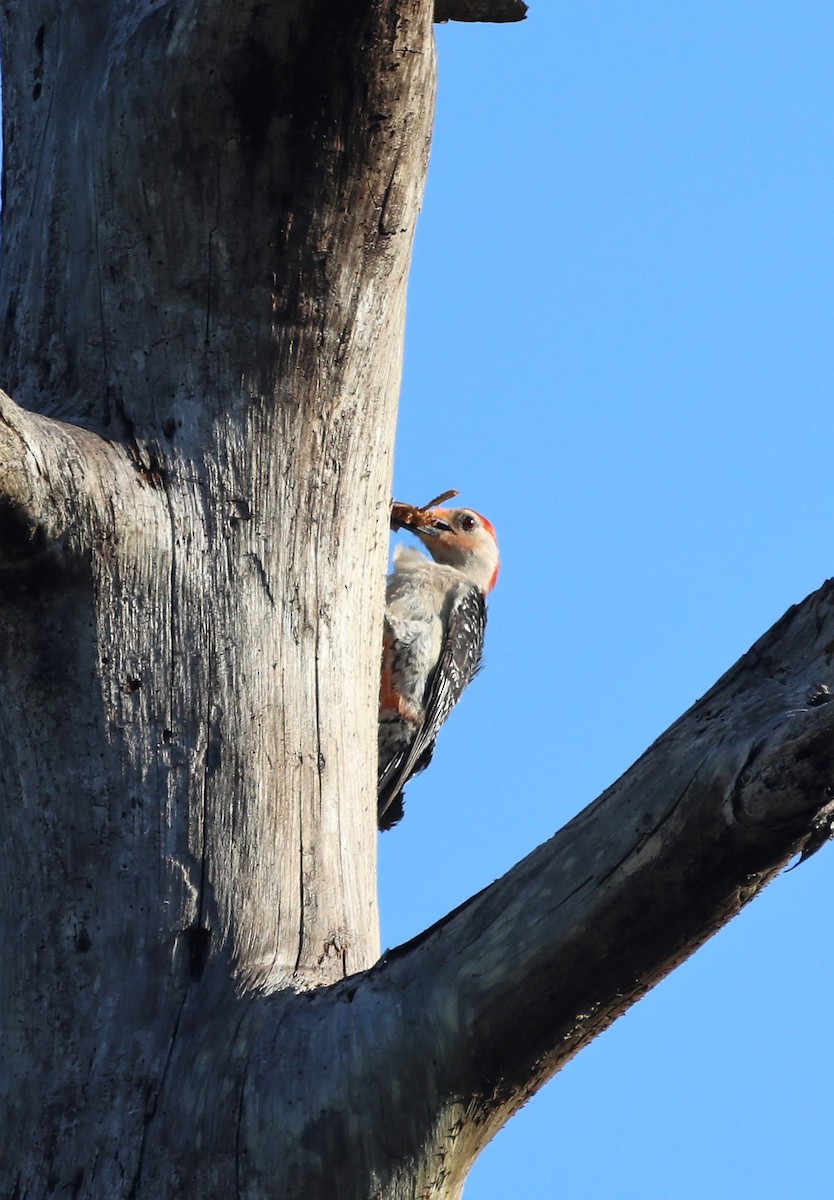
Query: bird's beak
[434,530]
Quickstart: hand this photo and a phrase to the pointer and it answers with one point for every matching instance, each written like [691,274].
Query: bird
[433,636]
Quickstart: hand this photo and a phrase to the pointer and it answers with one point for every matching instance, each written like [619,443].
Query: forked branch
[481,1009]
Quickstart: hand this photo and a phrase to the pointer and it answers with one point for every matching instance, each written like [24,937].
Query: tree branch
[481,1009]
[492,11]
[535,966]
[55,480]
[29,459]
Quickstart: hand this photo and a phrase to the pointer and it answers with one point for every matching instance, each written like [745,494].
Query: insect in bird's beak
[421,518]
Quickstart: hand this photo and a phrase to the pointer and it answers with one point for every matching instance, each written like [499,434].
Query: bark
[205,244]
[208,214]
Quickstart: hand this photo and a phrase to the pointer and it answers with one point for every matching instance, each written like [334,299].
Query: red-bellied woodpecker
[435,617]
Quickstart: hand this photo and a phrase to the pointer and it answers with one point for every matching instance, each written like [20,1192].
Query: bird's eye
[467,523]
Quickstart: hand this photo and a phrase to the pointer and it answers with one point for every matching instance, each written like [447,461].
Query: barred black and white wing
[459,661]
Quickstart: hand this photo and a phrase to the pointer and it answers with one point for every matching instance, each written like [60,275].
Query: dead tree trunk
[208,214]
[207,220]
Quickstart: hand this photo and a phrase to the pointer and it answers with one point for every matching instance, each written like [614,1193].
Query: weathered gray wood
[389,1083]
[428,1054]
[208,216]
[207,228]
[230,194]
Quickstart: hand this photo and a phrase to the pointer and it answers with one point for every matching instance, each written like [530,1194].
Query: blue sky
[620,349]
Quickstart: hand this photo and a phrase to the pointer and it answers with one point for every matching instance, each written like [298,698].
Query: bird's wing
[459,661]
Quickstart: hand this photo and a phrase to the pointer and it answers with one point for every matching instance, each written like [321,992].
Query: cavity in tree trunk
[207,220]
